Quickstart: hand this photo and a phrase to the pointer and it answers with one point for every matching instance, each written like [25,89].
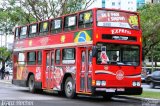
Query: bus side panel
[37,72]
[15,59]
[60,74]
[19,70]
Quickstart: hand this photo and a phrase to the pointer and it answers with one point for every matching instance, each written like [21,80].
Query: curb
[6,81]
[137,98]
[130,97]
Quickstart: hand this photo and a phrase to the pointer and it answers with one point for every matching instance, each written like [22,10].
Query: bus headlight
[103,83]
[98,83]
[134,83]
[138,84]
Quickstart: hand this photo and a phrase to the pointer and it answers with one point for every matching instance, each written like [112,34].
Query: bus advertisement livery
[92,52]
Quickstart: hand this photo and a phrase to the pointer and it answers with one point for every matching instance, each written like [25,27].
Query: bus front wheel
[70,88]
[31,84]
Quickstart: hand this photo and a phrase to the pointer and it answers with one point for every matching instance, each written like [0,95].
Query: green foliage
[149,94]
[150,22]
[71,4]
[45,9]
[20,12]
[4,54]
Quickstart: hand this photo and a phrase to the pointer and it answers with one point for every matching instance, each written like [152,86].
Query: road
[146,87]
[19,96]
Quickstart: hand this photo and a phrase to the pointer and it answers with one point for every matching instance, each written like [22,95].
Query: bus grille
[117,83]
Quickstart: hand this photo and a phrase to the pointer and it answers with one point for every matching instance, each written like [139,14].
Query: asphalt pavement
[49,99]
[11,95]
[146,87]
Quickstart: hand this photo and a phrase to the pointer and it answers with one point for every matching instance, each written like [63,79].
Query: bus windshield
[118,54]
[119,19]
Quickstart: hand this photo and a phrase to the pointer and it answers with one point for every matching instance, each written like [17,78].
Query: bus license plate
[115,89]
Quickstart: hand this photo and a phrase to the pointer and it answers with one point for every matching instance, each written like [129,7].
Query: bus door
[49,69]
[85,69]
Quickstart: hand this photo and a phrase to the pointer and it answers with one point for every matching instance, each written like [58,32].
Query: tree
[150,23]
[46,9]
[4,56]
[14,15]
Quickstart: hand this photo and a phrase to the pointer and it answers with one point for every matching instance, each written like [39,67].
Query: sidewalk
[8,81]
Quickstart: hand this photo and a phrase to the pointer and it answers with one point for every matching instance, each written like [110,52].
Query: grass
[149,94]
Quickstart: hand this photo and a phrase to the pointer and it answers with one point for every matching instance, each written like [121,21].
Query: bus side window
[56,25]
[39,57]
[31,58]
[58,56]
[33,30]
[85,19]
[44,28]
[68,56]
[21,58]
[70,23]
[23,32]
[16,33]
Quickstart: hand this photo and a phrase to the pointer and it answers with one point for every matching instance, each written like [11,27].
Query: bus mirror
[94,51]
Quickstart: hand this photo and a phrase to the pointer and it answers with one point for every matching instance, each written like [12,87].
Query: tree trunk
[2,70]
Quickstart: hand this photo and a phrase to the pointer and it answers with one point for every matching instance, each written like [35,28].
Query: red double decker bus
[92,52]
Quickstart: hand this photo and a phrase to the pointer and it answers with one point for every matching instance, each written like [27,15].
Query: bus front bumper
[117,91]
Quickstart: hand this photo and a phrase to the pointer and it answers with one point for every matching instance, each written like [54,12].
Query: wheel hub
[31,84]
[69,87]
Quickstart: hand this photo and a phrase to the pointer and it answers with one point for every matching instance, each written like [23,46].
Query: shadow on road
[84,98]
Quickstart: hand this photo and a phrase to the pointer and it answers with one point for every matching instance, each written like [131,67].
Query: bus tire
[31,84]
[69,88]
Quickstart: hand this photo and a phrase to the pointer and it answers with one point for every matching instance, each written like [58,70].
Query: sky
[9,39]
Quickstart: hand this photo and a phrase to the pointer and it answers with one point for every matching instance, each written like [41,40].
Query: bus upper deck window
[23,32]
[85,19]
[56,26]
[70,23]
[33,30]
[44,28]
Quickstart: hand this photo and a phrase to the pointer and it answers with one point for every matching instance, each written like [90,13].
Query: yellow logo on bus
[87,16]
[63,38]
[30,43]
[133,20]
[45,25]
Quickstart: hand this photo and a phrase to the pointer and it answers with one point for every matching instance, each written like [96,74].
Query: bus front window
[117,54]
